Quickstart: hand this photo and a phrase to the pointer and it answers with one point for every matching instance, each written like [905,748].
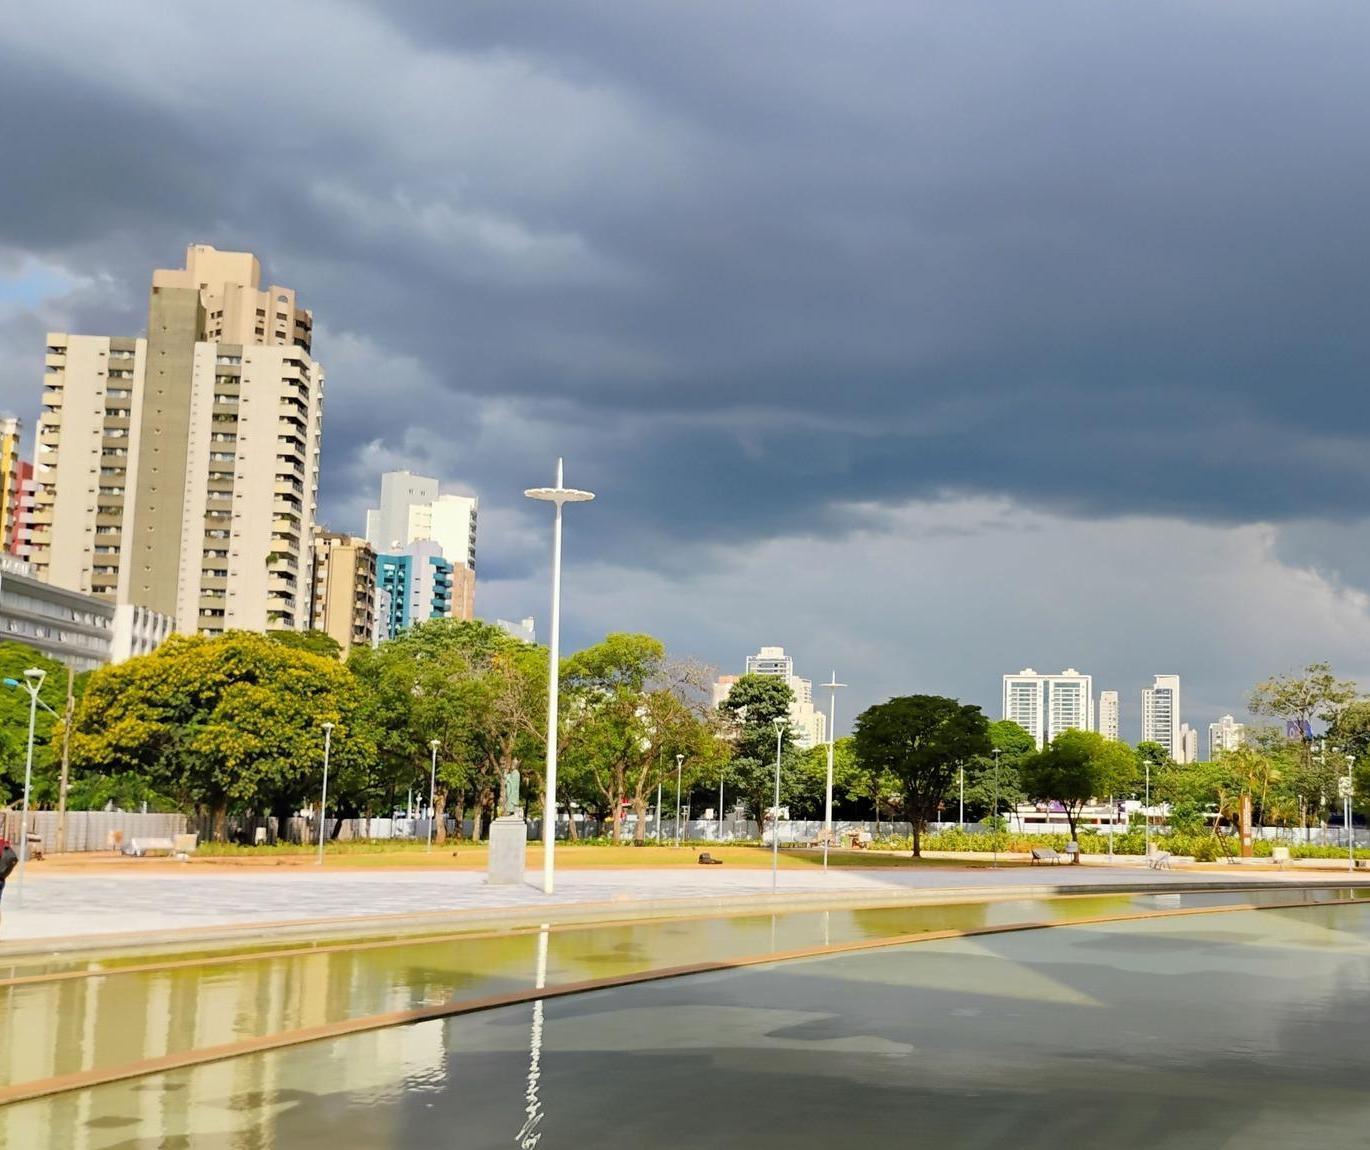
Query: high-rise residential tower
[179,472]
[1108,714]
[343,589]
[413,584]
[1225,735]
[1161,714]
[1189,745]
[412,511]
[1046,705]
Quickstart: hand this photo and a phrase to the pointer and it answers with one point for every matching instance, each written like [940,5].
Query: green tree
[1076,767]
[220,724]
[749,712]
[630,711]
[15,659]
[315,642]
[1013,743]
[922,740]
[481,693]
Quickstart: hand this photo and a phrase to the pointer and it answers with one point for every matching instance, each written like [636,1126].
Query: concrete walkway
[73,906]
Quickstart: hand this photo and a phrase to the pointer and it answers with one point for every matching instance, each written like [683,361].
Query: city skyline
[905,489]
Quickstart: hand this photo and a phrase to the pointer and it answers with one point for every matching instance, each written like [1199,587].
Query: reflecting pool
[1235,1028]
[75,1015]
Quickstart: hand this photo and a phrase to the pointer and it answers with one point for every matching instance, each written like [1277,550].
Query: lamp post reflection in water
[529,1135]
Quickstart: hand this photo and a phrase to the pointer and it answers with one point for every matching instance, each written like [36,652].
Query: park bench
[860,840]
[1160,861]
[706,859]
[143,846]
[1046,854]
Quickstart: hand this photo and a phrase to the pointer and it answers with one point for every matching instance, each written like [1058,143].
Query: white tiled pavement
[71,905]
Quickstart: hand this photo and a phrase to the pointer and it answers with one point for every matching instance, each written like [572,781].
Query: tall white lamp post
[679,761]
[33,683]
[559,496]
[1350,815]
[323,798]
[780,725]
[833,686]
[433,790]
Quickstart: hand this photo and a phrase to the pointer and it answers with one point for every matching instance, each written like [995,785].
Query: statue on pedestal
[510,806]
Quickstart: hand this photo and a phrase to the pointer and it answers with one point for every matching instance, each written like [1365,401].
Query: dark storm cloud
[741,263]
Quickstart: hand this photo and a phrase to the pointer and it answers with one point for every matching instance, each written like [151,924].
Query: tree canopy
[1076,767]
[922,740]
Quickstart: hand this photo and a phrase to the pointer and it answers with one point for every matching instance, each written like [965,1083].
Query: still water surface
[1236,1028]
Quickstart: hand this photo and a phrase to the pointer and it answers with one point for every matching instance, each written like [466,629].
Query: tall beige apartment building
[179,472]
[343,589]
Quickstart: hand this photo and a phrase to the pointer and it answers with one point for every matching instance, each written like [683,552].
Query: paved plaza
[73,905]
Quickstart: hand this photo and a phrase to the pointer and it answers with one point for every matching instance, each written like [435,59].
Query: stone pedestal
[508,850]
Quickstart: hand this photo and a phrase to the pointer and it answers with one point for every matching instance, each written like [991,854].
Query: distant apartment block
[1188,744]
[1108,715]
[1045,705]
[412,585]
[809,722]
[342,596]
[1225,735]
[1161,714]
[179,472]
[525,629]
[412,510]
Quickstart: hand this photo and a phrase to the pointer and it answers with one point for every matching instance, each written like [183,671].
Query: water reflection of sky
[1236,1028]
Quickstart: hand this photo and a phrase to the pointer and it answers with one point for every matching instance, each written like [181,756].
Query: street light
[323,799]
[832,685]
[33,683]
[780,725]
[558,496]
[432,789]
[961,810]
[995,752]
[1146,833]
[1350,832]
[679,759]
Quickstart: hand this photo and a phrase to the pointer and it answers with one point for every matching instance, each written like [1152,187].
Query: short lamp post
[323,798]
[433,789]
[995,752]
[559,496]
[679,761]
[780,725]
[33,683]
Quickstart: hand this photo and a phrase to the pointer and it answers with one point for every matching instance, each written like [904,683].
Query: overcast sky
[929,341]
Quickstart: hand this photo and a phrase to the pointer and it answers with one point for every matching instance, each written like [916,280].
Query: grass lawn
[472,856]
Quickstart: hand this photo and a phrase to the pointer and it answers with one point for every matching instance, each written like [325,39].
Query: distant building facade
[809,723]
[1189,745]
[1045,705]
[413,585]
[11,481]
[342,597]
[1161,714]
[1225,735]
[411,511]
[179,471]
[525,629]
[1108,715]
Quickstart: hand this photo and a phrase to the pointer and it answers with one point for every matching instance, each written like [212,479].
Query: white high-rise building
[1225,735]
[1161,714]
[810,723]
[388,526]
[1189,745]
[1046,705]
[1108,715]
